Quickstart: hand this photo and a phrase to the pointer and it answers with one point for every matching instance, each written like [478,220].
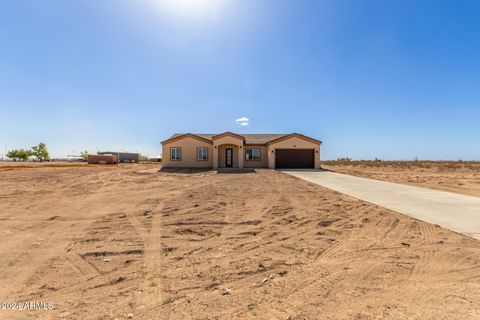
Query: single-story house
[232,150]
[123,156]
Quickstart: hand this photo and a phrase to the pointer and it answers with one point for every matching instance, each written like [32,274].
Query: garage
[294,158]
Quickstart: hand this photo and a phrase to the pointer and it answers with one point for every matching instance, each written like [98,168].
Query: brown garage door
[294,158]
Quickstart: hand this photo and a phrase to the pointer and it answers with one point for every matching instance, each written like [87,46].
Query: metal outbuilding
[123,157]
[102,159]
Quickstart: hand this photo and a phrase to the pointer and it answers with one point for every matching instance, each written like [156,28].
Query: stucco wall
[228,140]
[262,163]
[189,154]
[293,143]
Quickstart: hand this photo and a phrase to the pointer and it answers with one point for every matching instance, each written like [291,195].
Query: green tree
[84,155]
[41,151]
[19,154]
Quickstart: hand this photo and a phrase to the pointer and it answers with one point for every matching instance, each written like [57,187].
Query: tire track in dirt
[426,254]
[152,259]
[264,217]
[427,230]
[264,249]
[152,294]
[345,242]
[286,249]
[83,267]
[139,227]
[231,219]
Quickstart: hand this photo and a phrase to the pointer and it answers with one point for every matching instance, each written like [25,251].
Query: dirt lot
[459,177]
[131,242]
[12,165]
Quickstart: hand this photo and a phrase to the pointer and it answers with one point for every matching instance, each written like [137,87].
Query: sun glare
[191,10]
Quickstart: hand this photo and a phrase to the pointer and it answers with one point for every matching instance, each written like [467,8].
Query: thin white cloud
[242,119]
[243,124]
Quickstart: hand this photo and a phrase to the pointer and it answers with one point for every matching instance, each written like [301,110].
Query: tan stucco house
[231,150]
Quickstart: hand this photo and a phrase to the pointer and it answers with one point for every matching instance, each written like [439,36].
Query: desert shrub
[19,154]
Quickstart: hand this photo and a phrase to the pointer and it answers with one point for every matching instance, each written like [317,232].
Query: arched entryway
[228,150]
[228,156]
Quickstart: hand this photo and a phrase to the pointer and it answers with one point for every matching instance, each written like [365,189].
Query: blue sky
[386,79]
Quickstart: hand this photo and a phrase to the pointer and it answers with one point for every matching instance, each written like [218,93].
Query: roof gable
[228,133]
[294,135]
[180,136]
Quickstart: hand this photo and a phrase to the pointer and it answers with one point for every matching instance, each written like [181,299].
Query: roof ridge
[248,137]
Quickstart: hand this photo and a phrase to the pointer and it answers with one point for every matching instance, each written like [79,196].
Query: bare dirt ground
[128,241]
[14,165]
[460,177]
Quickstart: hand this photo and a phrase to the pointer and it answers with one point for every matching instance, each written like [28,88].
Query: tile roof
[252,138]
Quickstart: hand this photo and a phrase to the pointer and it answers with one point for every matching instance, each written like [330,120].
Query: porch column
[215,156]
[241,156]
[271,158]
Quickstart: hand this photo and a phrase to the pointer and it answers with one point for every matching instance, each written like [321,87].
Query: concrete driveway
[452,211]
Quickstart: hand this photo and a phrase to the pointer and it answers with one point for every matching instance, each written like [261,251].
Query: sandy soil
[459,177]
[15,165]
[131,242]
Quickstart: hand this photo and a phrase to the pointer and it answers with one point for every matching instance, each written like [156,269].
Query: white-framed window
[175,153]
[252,154]
[202,154]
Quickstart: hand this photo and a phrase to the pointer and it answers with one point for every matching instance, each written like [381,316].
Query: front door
[229,157]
